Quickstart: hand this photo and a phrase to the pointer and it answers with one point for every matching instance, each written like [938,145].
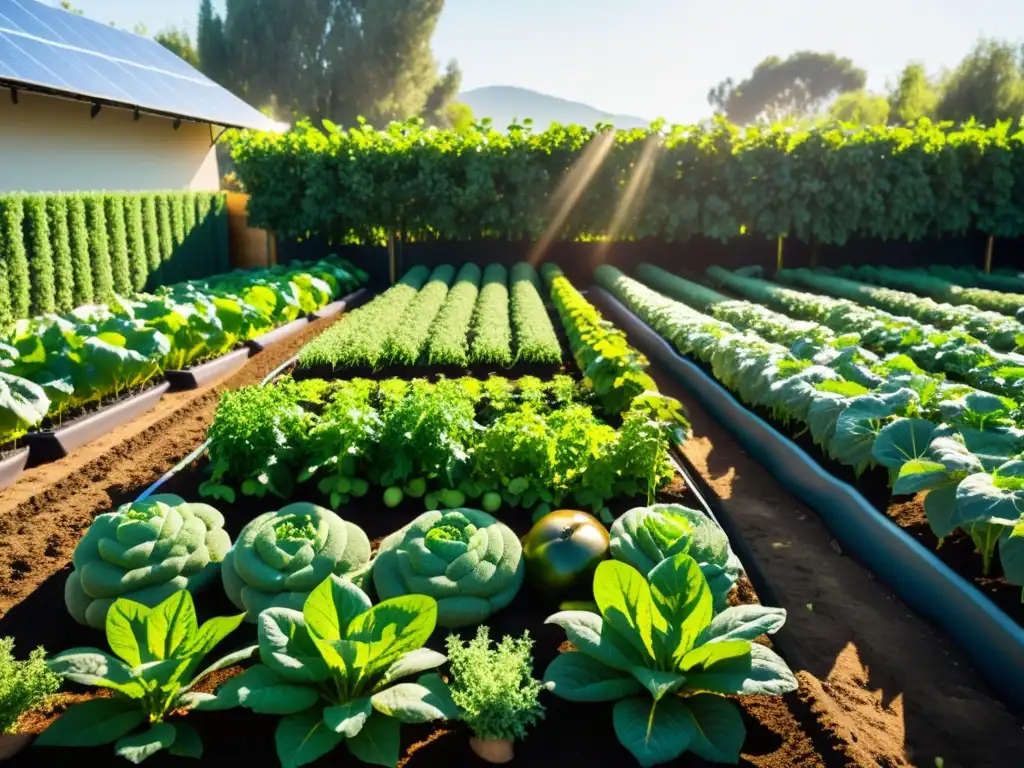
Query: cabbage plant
[333,670]
[646,536]
[667,661]
[152,675]
[144,551]
[468,561]
[23,405]
[279,557]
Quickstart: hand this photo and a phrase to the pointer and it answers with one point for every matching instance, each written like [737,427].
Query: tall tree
[178,42]
[334,59]
[988,85]
[781,88]
[914,96]
[860,107]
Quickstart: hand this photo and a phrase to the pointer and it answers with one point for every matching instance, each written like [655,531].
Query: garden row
[493,317]
[958,443]
[823,186]
[344,644]
[61,251]
[57,368]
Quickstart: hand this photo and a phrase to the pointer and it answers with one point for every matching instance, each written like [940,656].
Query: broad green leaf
[286,647]
[234,691]
[421,702]
[681,594]
[594,637]
[706,656]
[940,509]
[393,628]
[282,699]
[127,633]
[719,733]
[658,683]
[743,622]
[171,627]
[378,742]
[138,746]
[1011,554]
[304,738]
[920,475]
[332,605]
[187,742]
[760,672]
[901,441]
[624,599]
[92,723]
[413,663]
[574,676]
[349,718]
[243,654]
[213,631]
[654,732]
[980,500]
[88,666]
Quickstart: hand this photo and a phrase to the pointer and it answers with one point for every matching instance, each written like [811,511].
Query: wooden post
[778,257]
[272,247]
[988,255]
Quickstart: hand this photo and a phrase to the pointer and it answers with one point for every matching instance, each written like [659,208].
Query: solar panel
[47,47]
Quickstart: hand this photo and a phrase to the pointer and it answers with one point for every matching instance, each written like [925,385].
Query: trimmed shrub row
[60,251]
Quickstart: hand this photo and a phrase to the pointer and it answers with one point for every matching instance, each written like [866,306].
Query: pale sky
[658,58]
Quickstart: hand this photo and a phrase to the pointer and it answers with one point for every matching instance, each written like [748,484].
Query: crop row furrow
[449,336]
[491,341]
[536,340]
[409,335]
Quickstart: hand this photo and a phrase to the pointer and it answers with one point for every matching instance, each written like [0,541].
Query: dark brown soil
[44,514]
[775,736]
[889,688]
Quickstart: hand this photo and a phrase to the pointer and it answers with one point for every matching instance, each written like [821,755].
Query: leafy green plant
[280,557]
[534,334]
[144,551]
[449,335]
[37,238]
[332,670]
[117,236]
[657,650]
[24,685]
[495,687]
[99,248]
[152,675]
[81,256]
[490,330]
[644,537]
[23,405]
[451,549]
[60,247]
[136,236]
[409,335]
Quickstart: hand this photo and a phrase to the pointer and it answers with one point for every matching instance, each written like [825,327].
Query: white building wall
[52,145]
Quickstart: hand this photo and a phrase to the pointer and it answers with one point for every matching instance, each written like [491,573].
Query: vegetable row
[671,652]
[961,446]
[441,317]
[523,443]
[54,364]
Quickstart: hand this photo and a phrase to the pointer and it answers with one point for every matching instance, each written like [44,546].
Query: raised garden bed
[208,372]
[53,444]
[277,335]
[12,465]
[335,308]
[991,638]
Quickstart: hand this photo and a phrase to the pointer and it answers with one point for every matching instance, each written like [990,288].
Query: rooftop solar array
[49,48]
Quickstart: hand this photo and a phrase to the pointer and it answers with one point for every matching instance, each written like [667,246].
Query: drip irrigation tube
[990,638]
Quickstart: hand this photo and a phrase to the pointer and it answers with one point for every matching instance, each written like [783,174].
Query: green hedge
[823,186]
[59,251]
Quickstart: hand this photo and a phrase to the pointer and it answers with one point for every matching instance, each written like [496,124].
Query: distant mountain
[503,103]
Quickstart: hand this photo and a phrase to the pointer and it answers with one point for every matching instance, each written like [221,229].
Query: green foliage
[915,96]
[60,247]
[15,302]
[151,236]
[136,242]
[535,337]
[459,543]
[280,557]
[408,338]
[495,687]
[910,182]
[490,330]
[332,671]
[783,88]
[178,42]
[987,86]
[157,652]
[24,685]
[361,337]
[23,405]
[42,283]
[99,249]
[117,237]
[660,653]
[646,536]
[166,231]
[861,108]
[449,336]
[144,551]
[81,254]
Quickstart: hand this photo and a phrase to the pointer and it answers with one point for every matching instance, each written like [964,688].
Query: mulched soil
[890,689]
